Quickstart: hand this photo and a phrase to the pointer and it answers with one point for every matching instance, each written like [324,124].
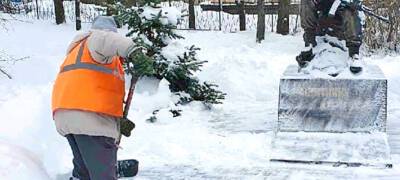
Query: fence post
[242,16]
[37,9]
[283,17]
[59,11]
[192,17]
[260,21]
[78,15]
[220,15]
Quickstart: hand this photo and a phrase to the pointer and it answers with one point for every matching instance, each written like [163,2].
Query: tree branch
[4,57]
[5,73]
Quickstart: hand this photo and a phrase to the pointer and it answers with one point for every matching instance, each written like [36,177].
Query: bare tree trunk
[283,17]
[37,9]
[378,35]
[242,16]
[391,30]
[192,17]
[130,3]
[78,15]
[220,14]
[59,11]
[110,10]
[260,21]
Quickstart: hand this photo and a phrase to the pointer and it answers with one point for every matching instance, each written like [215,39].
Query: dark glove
[126,126]
[137,50]
[141,64]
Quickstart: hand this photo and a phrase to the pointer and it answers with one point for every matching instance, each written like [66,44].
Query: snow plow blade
[332,121]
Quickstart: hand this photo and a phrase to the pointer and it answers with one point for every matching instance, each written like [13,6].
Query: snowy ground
[230,142]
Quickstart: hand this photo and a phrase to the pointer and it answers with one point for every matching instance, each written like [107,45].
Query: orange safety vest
[84,84]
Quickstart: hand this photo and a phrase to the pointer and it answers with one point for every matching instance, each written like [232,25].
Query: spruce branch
[150,29]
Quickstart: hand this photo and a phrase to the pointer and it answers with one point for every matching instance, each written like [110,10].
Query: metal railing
[205,20]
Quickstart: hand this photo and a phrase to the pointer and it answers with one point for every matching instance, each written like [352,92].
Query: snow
[169,15]
[368,148]
[231,141]
[16,160]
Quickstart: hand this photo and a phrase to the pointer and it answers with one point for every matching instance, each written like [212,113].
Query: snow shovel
[339,121]
[128,167]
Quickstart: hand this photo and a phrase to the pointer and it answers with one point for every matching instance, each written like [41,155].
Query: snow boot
[305,57]
[355,64]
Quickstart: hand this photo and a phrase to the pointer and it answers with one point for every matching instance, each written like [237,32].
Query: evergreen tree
[152,29]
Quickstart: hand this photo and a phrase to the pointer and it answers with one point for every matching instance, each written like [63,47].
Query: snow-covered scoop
[332,120]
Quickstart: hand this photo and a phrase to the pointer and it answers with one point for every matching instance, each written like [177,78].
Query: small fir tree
[152,29]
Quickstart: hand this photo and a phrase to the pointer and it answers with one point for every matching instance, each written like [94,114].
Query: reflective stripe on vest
[83,84]
[80,65]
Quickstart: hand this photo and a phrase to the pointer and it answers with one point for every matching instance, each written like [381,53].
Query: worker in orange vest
[87,99]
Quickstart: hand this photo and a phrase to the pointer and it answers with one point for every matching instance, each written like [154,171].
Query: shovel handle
[128,101]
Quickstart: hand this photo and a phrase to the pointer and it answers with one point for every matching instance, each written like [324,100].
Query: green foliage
[205,92]
[180,75]
[179,72]
[152,33]
[139,64]
[145,30]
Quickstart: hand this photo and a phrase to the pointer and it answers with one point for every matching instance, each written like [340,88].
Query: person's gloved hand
[137,50]
[140,63]
[126,127]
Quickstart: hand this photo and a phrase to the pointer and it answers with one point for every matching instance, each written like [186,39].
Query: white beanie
[104,23]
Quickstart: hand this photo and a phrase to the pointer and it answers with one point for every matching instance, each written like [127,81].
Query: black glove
[137,50]
[140,64]
[126,126]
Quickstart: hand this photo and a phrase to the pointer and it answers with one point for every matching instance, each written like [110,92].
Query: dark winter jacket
[324,5]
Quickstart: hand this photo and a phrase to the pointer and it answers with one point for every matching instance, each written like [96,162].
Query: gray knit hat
[104,23]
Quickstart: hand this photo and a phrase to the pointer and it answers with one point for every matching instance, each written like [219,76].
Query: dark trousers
[95,157]
[350,28]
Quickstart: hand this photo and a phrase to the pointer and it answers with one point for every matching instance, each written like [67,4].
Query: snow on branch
[7,18]
[6,59]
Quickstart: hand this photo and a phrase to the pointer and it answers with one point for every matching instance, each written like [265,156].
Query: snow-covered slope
[231,141]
